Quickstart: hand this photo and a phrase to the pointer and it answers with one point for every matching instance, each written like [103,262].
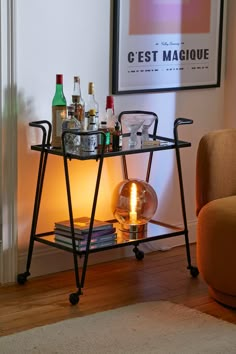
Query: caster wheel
[74,298]
[138,254]
[21,278]
[194,272]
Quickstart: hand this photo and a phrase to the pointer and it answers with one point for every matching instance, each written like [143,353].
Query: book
[91,247]
[79,242]
[81,225]
[83,236]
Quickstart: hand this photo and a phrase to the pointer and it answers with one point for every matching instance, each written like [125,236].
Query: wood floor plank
[159,276]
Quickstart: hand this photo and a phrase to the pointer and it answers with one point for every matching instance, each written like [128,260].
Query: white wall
[73,37]
[230,72]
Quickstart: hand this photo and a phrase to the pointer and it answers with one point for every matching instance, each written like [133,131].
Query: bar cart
[155,229]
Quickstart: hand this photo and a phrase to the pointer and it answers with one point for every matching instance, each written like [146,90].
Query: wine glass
[148,120]
[133,124]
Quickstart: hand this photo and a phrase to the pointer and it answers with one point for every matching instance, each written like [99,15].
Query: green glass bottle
[58,112]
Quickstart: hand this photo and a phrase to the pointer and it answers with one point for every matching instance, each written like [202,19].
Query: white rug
[152,327]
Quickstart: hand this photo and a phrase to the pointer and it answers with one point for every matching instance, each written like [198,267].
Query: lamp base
[133,232]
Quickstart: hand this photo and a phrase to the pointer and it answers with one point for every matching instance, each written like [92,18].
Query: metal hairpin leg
[181,121]
[22,277]
[74,297]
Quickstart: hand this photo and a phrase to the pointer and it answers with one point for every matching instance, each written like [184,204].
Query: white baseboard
[48,260]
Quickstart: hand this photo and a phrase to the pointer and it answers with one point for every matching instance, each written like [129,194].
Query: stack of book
[103,233]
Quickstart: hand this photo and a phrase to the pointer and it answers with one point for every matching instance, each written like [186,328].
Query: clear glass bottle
[92,103]
[58,112]
[72,141]
[77,100]
[89,142]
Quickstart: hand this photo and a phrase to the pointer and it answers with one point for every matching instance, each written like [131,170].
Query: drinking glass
[133,124]
[146,125]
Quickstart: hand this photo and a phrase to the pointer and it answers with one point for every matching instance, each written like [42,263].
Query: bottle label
[88,142]
[59,120]
[58,116]
[120,141]
[107,139]
[79,111]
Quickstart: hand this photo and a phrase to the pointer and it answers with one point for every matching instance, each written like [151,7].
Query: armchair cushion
[216,210]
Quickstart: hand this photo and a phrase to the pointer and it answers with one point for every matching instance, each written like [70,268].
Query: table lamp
[134,203]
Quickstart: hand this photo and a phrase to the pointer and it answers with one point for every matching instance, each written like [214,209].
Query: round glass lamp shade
[134,202]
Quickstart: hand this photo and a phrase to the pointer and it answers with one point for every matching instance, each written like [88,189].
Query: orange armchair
[216,211]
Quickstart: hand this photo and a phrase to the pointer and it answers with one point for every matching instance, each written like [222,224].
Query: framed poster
[166,45]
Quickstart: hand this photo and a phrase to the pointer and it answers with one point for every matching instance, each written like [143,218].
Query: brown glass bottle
[117,137]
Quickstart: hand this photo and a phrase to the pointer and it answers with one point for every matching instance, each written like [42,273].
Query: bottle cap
[110,102]
[59,79]
[76,79]
[91,88]
[92,112]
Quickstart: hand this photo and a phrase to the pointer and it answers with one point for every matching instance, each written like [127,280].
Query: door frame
[8,144]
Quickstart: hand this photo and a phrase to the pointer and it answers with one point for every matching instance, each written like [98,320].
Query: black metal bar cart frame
[156,229]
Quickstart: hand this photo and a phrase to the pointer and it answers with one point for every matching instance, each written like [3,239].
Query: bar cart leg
[73,297]
[180,121]
[95,198]
[22,277]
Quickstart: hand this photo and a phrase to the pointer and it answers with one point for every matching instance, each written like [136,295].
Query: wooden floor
[159,276]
